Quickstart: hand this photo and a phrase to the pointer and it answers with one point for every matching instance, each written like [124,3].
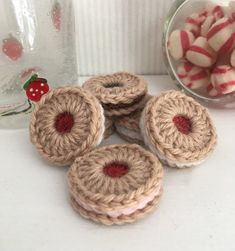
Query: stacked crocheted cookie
[109,127]
[115,184]
[66,123]
[127,127]
[120,93]
[178,129]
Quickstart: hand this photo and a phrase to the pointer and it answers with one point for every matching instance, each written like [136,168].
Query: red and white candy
[209,21]
[221,35]
[179,42]
[223,79]
[193,23]
[207,49]
[200,53]
[192,76]
[216,11]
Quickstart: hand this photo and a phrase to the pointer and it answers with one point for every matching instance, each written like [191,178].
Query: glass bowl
[180,10]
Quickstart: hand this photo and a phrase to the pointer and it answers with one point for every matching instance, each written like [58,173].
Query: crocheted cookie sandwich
[119,93]
[109,127]
[66,123]
[128,127]
[178,129]
[115,184]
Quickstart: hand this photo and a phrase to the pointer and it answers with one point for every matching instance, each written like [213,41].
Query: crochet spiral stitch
[119,93]
[178,129]
[66,123]
[129,189]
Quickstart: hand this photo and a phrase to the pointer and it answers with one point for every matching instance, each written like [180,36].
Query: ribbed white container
[115,35]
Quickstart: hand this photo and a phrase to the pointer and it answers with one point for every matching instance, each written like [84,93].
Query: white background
[196,212]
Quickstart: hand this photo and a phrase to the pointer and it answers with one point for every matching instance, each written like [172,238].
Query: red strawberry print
[12,48]
[56,15]
[36,87]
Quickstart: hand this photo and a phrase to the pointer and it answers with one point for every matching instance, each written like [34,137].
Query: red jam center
[64,122]
[115,170]
[183,124]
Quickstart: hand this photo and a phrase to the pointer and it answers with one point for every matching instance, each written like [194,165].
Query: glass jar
[181,11]
[37,37]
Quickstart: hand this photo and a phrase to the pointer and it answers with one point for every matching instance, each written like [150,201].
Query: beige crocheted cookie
[128,127]
[178,129]
[66,123]
[119,93]
[115,184]
[109,127]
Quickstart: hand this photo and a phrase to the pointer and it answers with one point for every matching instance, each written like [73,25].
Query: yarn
[66,123]
[115,184]
[109,127]
[127,126]
[120,93]
[178,129]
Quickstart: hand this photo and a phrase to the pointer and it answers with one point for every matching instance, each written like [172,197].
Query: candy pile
[119,184]
[205,50]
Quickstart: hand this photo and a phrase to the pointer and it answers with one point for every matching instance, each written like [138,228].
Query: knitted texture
[128,127]
[66,123]
[166,136]
[119,93]
[127,196]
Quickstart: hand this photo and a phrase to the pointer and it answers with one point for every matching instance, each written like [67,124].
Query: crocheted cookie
[128,127]
[109,127]
[178,129]
[66,123]
[119,93]
[115,184]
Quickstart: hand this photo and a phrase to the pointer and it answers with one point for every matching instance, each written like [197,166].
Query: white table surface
[196,212]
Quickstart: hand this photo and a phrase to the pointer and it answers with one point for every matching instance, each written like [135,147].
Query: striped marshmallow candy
[209,21]
[212,13]
[214,10]
[193,76]
[200,53]
[193,23]
[179,42]
[221,35]
[223,79]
